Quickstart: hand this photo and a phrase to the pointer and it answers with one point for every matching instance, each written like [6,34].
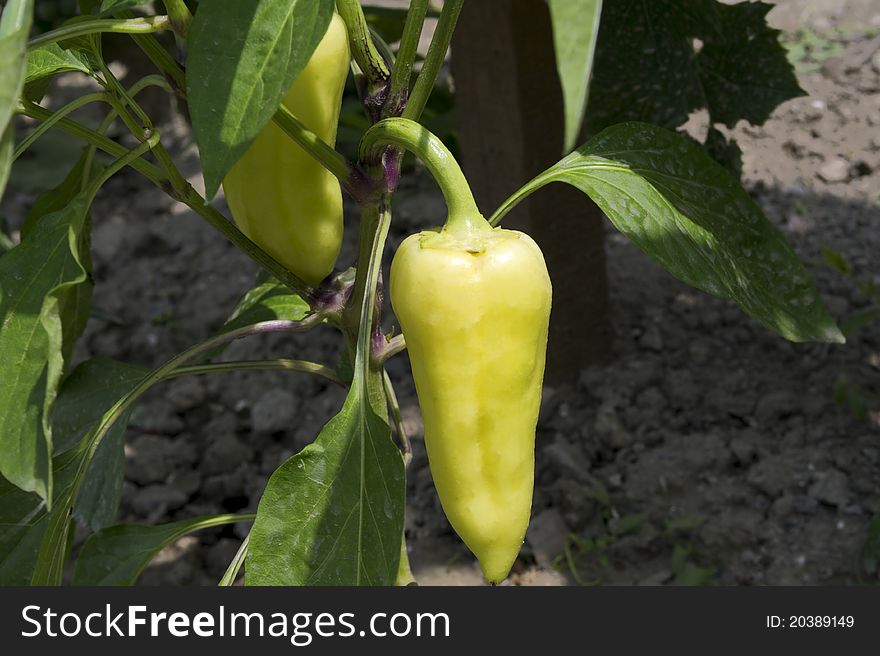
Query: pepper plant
[262,80]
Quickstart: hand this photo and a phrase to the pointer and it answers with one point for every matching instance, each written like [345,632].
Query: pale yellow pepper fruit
[474,307]
[281,197]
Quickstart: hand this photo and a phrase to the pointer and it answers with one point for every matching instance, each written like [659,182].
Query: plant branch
[363,50]
[406,55]
[234,567]
[160,57]
[526,190]
[394,405]
[150,171]
[383,47]
[327,156]
[433,60]
[413,136]
[136,88]
[178,182]
[150,141]
[321,370]
[101,25]
[393,346]
[56,116]
[180,16]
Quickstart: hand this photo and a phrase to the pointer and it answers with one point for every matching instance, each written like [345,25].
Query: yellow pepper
[279,196]
[473,303]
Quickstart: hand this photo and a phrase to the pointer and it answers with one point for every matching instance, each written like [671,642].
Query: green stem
[409,135]
[148,144]
[178,182]
[151,172]
[192,199]
[136,88]
[526,190]
[394,405]
[180,16]
[56,116]
[433,60]
[406,55]
[382,47]
[327,156]
[283,364]
[123,97]
[393,346]
[375,220]
[363,50]
[101,25]
[234,567]
[359,316]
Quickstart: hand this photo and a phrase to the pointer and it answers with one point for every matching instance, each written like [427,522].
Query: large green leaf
[575,28]
[76,307]
[744,69]
[53,59]
[682,208]
[15,24]
[118,554]
[86,394]
[243,57]
[23,515]
[38,282]
[658,61]
[23,521]
[333,513]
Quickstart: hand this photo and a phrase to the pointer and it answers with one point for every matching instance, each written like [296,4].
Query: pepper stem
[464,216]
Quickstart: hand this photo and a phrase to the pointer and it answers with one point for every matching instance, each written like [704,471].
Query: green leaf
[87,393]
[53,59]
[7,148]
[90,391]
[743,67]
[118,554]
[23,518]
[836,261]
[644,67]
[75,311]
[267,301]
[97,503]
[38,280]
[59,197]
[243,57]
[575,28]
[683,209]
[724,151]
[333,513]
[658,61]
[859,320]
[15,24]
